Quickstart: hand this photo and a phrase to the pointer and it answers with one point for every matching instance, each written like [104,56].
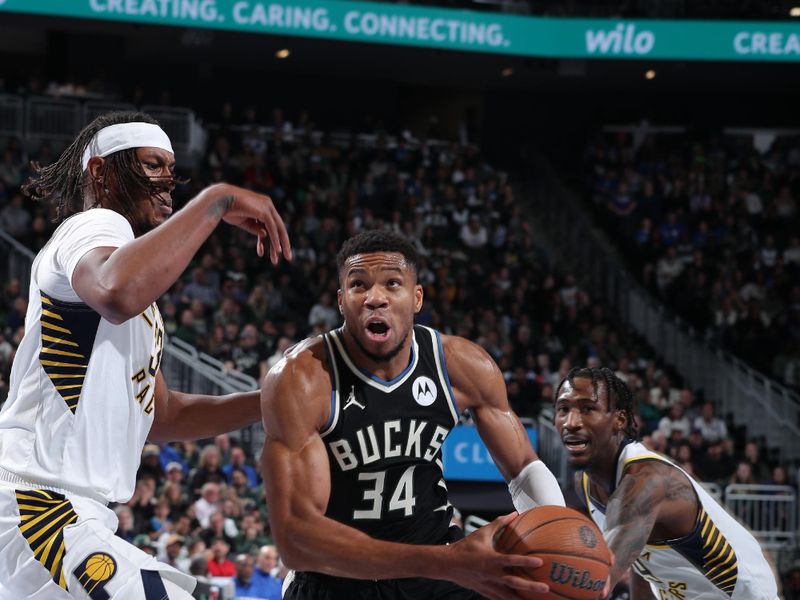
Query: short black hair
[378,240]
[619,394]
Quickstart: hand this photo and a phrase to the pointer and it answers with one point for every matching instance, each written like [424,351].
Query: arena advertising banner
[466,458]
[450,29]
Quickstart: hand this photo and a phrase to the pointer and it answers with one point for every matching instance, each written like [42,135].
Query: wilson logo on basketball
[577,578]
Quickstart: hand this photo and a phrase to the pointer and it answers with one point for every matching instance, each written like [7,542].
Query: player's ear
[418,294]
[620,421]
[339,300]
[95,167]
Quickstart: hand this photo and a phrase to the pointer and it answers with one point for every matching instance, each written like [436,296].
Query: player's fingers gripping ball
[576,558]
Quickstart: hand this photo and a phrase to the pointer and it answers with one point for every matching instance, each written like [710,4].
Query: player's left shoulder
[470,367]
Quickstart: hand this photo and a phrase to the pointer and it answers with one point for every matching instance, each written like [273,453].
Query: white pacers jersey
[718,560]
[81,398]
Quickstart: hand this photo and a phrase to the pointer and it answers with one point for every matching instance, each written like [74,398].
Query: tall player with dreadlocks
[86,390]
[681,544]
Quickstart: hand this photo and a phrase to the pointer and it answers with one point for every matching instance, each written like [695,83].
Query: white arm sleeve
[535,486]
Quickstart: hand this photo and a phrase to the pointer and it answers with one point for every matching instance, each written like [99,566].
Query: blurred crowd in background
[711,227]
[708,227]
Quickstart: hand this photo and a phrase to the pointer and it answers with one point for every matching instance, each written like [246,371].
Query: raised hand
[256,214]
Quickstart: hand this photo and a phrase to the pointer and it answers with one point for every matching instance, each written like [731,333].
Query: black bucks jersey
[384,442]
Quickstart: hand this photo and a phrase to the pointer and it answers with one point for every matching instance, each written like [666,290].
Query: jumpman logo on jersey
[351,400]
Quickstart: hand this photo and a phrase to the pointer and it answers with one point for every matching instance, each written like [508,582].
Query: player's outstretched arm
[650,494]
[180,416]
[295,406]
[479,385]
[120,283]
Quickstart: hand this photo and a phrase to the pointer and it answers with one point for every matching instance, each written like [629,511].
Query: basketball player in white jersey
[680,543]
[355,420]
[86,391]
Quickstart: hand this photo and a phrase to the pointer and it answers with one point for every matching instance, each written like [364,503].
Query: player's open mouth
[575,446]
[377,330]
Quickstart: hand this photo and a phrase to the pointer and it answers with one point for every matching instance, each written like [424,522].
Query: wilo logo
[623,39]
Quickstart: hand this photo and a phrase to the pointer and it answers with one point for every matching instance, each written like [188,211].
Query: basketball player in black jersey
[355,420]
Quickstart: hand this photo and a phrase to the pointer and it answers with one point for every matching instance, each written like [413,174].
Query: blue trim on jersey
[444,370]
[333,411]
[332,376]
[377,379]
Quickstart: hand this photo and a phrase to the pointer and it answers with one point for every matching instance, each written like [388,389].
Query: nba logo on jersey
[424,391]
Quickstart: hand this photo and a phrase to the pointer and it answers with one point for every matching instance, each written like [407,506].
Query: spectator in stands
[238,460]
[198,568]
[177,498]
[127,526]
[208,503]
[284,343]
[247,354]
[160,523]
[714,465]
[175,554]
[267,566]
[743,474]
[752,455]
[143,501]
[668,269]
[251,535]
[240,485]
[683,457]
[201,289]
[173,473]
[209,470]
[474,234]
[323,314]
[14,218]
[710,426]
[220,526]
[248,586]
[779,476]
[663,396]
[218,564]
[675,420]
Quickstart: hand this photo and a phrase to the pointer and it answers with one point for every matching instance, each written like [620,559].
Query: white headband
[123,136]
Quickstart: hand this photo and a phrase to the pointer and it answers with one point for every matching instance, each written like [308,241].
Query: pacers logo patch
[94,573]
[424,391]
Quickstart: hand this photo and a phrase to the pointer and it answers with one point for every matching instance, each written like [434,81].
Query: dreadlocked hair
[65,181]
[619,394]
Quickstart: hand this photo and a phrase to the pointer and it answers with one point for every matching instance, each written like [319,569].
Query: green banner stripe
[450,29]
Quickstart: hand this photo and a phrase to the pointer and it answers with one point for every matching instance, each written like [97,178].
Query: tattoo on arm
[677,486]
[221,206]
[631,514]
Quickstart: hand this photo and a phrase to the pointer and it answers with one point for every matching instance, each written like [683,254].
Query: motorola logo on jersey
[424,391]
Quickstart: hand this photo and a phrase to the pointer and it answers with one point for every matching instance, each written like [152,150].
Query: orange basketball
[576,558]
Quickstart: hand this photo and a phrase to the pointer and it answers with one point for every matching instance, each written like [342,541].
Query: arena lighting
[283,53]
[507,72]
[650,74]
[794,11]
